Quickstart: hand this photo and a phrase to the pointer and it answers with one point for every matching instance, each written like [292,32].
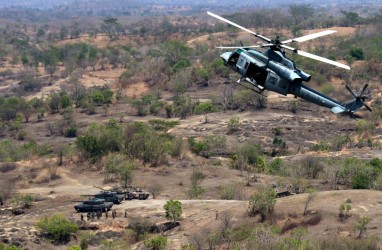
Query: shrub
[25,201]
[156,243]
[163,125]
[233,124]
[357,53]
[57,228]
[74,247]
[71,132]
[229,192]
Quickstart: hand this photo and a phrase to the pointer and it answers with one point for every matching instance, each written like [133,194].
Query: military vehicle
[137,193]
[110,196]
[93,205]
[131,192]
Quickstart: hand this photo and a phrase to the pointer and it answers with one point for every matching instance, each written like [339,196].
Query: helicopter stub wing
[309,37]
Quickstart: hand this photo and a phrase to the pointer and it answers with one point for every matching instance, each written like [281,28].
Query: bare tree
[198,240]
[309,199]
[155,189]
[6,188]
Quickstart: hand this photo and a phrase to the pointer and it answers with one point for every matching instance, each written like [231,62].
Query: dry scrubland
[151,105]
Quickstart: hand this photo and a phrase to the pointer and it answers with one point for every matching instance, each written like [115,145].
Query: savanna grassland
[139,96]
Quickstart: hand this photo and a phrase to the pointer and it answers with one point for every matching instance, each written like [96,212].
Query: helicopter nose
[226,55]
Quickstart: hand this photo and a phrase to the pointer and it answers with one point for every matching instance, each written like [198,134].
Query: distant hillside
[117,4]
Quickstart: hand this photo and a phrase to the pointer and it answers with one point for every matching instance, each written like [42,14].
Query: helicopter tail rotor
[359,100]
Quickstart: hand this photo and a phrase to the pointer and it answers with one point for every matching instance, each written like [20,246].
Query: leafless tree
[6,188]
[155,189]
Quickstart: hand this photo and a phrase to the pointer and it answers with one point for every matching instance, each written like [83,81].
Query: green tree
[57,228]
[262,203]
[99,139]
[351,18]
[173,210]
[110,26]
[205,108]
[300,12]
[54,102]
[126,173]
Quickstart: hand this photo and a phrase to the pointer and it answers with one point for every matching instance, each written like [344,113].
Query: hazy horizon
[42,4]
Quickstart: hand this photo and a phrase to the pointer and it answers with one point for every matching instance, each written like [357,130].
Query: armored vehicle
[131,192]
[93,205]
[137,193]
[110,196]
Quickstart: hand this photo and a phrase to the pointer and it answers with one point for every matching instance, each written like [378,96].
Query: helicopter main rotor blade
[238,47]
[315,57]
[363,90]
[309,37]
[240,27]
[367,107]
[351,91]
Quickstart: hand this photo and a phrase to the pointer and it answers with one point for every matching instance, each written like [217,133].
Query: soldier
[93,215]
[113,214]
[106,214]
[82,217]
[125,213]
[88,215]
[216,215]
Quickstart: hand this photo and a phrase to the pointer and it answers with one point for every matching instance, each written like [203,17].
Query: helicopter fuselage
[272,70]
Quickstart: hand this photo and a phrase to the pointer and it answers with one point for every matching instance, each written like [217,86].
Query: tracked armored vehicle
[131,192]
[93,205]
[110,196]
[137,193]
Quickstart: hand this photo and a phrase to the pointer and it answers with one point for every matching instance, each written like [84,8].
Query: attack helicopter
[272,70]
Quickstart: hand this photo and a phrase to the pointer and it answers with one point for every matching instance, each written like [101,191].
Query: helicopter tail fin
[337,110]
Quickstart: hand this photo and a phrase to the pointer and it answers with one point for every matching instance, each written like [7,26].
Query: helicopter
[272,70]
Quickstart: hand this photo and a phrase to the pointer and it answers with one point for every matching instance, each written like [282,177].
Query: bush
[156,243]
[71,132]
[74,247]
[162,125]
[357,53]
[57,228]
[25,201]
[233,124]
[229,192]
[276,166]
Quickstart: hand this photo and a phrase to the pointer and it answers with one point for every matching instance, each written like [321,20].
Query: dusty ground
[59,197]
[310,124]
